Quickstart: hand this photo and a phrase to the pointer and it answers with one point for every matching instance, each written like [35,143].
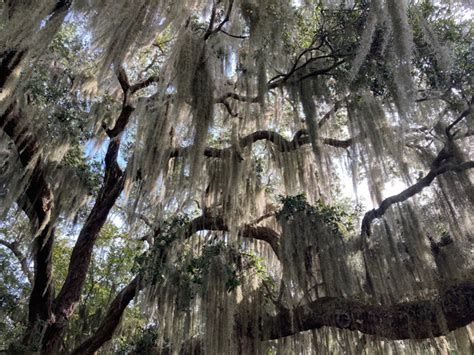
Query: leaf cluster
[335,217]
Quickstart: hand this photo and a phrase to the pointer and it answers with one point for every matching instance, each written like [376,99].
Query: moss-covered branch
[421,319]
[411,191]
[281,143]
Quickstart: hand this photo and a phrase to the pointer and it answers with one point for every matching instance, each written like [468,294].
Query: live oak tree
[185,160]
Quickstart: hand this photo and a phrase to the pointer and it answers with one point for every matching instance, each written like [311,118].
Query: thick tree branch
[229,109]
[115,311]
[420,319]
[452,309]
[248,231]
[69,296]
[436,170]
[282,144]
[111,320]
[144,84]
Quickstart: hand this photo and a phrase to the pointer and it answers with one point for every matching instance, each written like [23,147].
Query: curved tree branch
[281,143]
[144,84]
[13,247]
[282,79]
[111,320]
[422,319]
[436,170]
[248,231]
[115,311]
[452,309]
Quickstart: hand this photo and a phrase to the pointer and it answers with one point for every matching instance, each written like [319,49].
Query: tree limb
[466,113]
[248,231]
[111,320]
[421,319]
[277,83]
[295,67]
[13,246]
[234,36]
[115,311]
[436,170]
[143,84]
[210,31]
[283,145]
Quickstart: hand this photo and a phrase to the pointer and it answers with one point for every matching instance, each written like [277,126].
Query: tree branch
[111,320]
[115,311]
[295,67]
[248,231]
[237,97]
[277,83]
[283,145]
[417,319]
[143,84]
[466,113]
[422,319]
[13,246]
[437,169]
[234,36]
[210,31]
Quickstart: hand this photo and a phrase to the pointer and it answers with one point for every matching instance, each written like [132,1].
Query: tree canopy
[236,176]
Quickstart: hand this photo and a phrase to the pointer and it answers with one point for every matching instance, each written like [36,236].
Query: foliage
[238,263]
[336,217]
[14,284]
[111,269]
